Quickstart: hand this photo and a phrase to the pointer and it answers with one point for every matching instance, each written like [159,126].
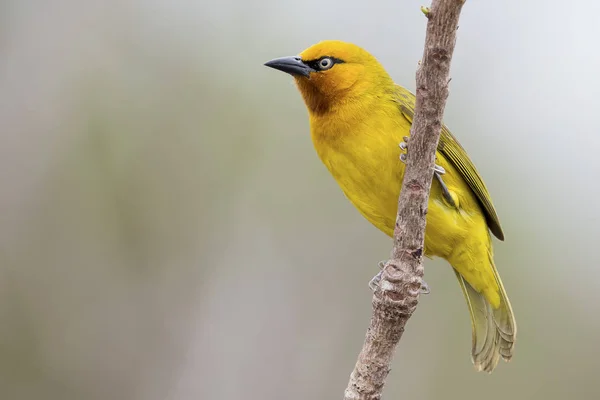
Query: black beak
[291,65]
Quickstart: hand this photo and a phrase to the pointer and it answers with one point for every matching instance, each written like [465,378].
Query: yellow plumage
[358,116]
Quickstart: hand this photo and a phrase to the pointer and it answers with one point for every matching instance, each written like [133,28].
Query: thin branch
[396,297]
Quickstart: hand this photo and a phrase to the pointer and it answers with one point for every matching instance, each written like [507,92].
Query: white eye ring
[325,63]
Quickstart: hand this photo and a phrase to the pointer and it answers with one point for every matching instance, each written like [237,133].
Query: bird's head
[333,73]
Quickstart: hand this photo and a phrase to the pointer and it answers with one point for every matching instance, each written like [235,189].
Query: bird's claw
[438,171]
[404,146]
[424,287]
[374,282]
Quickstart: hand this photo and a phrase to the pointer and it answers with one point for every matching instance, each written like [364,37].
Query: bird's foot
[374,282]
[404,146]
[424,287]
[438,171]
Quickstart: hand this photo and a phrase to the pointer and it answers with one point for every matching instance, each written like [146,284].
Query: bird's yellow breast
[361,152]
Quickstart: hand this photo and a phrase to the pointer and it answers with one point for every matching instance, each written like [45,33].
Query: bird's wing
[454,152]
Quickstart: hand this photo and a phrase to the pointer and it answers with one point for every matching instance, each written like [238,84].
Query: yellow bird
[358,117]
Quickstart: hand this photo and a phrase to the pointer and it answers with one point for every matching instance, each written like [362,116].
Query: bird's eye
[325,63]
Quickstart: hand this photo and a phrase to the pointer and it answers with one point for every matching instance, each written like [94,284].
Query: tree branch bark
[396,297]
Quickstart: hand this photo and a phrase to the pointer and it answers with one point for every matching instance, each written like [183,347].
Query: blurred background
[168,232]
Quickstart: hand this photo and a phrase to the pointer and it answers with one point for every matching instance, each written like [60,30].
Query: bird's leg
[445,191]
[404,146]
[438,171]
[374,282]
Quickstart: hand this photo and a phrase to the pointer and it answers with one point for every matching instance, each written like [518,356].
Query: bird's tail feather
[494,329]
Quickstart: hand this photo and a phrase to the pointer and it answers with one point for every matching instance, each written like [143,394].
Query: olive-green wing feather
[454,152]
